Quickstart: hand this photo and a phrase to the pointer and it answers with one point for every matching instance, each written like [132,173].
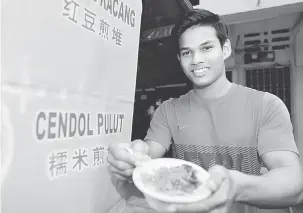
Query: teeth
[200,72]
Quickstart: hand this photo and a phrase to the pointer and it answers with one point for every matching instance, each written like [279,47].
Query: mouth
[200,72]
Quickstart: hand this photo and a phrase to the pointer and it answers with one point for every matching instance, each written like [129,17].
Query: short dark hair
[199,17]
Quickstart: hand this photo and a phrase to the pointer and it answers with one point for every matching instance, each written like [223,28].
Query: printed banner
[68,84]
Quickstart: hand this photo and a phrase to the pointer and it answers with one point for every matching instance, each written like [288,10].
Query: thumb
[217,175]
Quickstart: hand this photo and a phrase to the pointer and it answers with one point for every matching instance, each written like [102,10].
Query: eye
[186,53]
[206,48]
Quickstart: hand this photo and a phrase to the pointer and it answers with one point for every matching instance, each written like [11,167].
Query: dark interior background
[157,62]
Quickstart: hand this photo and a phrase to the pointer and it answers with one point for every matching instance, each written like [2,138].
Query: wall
[298,101]
[235,62]
[297,90]
[284,57]
[296,52]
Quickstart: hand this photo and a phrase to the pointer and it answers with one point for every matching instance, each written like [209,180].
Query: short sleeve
[159,126]
[276,130]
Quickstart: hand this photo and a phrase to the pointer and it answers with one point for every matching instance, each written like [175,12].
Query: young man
[228,129]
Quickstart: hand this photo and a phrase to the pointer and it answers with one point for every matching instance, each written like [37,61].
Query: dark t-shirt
[233,130]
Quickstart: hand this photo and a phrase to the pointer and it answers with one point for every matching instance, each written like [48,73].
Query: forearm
[156,150]
[278,188]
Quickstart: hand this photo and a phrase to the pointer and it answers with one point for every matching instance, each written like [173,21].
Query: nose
[197,58]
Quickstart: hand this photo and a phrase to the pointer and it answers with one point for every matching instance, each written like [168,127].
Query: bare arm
[159,136]
[281,187]
[156,150]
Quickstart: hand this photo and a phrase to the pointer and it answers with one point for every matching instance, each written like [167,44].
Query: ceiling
[157,64]
[264,13]
[158,13]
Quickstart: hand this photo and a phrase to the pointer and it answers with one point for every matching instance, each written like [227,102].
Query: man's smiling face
[201,55]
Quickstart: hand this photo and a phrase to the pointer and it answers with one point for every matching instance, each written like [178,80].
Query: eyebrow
[202,44]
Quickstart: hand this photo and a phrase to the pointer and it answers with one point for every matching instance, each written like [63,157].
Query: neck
[216,90]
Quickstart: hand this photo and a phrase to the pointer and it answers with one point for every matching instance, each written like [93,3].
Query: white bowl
[161,201]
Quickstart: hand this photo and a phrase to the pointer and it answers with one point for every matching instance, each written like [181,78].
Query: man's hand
[122,160]
[223,194]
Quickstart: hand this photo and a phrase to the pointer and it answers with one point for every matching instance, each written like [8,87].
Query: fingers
[122,160]
[215,202]
[140,146]
[119,164]
[219,184]
[125,173]
[121,154]
[121,170]
[122,178]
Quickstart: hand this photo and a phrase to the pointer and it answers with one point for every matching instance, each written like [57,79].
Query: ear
[178,56]
[226,49]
